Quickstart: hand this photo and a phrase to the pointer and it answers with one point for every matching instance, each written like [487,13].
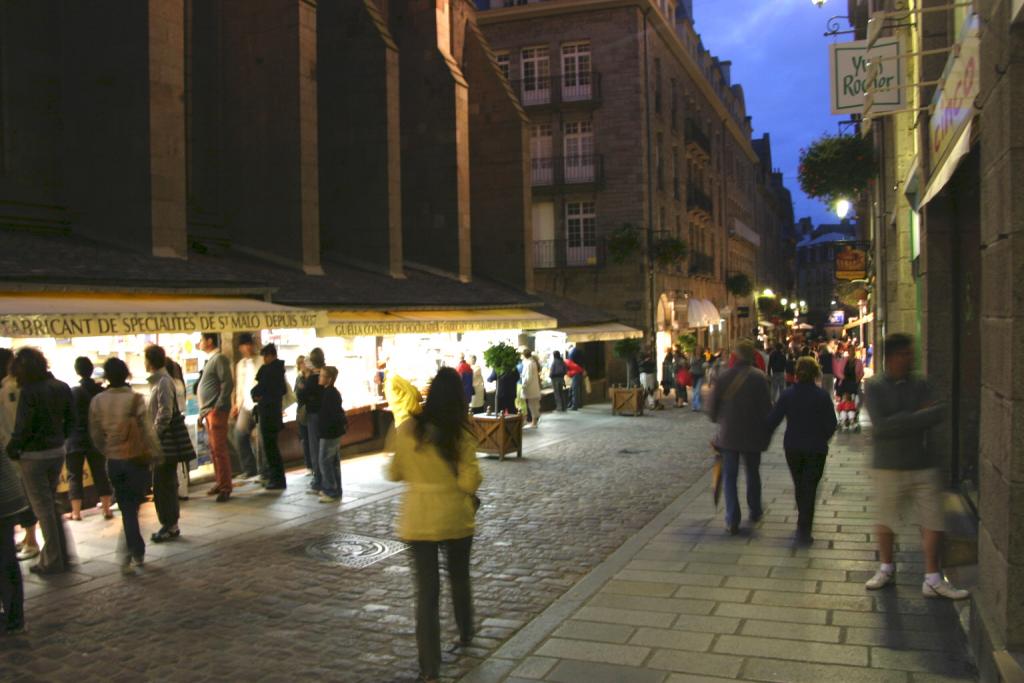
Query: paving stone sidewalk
[683,602]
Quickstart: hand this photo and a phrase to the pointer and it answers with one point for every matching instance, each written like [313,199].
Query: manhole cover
[352,550]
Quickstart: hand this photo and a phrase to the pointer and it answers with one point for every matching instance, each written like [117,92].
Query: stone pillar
[271,178]
[500,193]
[1000,599]
[360,145]
[435,138]
[124,122]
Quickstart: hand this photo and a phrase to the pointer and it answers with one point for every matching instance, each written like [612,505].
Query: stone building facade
[294,131]
[948,236]
[636,133]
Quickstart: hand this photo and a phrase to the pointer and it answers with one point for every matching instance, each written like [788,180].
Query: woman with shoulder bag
[120,428]
[435,454]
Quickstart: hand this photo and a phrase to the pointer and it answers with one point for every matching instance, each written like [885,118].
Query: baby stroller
[848,404]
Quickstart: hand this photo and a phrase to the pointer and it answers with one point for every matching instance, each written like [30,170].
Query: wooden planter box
[499,434]
[627,401]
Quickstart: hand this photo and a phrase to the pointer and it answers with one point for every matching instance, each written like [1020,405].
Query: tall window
[578,141]
[676,188]
[581,233]
[674,104]
[576,78]
[657,85]
[659,163]
[536,75]
[505,64]
[541,162]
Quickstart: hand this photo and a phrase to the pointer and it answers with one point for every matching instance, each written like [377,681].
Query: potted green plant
[669,251]
[739,284]
[688,342]
[623,243]
[627,350]
[503,359]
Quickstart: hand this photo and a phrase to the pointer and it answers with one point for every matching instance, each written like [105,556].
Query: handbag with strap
[175,440]
[131,434]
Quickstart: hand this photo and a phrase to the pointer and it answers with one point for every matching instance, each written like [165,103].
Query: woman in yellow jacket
[435,454]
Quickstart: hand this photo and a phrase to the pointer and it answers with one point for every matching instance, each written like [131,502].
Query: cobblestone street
[239,598]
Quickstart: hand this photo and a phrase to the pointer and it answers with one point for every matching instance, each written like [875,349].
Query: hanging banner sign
[849,64]
[851,264]
[954,99]
[112,324]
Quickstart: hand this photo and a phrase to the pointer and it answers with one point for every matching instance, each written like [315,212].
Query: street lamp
[767,292]
[843,207]
[818,3]
[784,302]
[803,304]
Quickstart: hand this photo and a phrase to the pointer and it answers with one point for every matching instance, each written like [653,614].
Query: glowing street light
[803,304]
[843,207]
[784,302]
[767,292]
[818,3]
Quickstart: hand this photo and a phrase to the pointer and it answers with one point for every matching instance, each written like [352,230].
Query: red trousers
[217,436]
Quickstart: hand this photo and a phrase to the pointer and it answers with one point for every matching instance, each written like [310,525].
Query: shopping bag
[716,478]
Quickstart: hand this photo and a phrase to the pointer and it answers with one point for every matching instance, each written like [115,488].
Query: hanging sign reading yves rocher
[112,324]
[852,76]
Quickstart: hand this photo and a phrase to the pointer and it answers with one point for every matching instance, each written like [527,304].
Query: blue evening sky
[780,57]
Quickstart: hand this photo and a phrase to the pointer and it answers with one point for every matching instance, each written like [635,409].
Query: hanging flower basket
[837,166]
[739,284]
[669,251]
[623,243]
[687,341]
[501,358]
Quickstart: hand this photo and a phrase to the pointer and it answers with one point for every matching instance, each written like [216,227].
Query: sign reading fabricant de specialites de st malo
[110,324]
[849,65]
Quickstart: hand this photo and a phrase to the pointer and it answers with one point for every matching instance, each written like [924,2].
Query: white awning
[604,332]
[48,314]
[701,313]
[948,168]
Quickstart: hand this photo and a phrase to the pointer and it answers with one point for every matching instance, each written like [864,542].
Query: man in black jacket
[269,392]
[777,371]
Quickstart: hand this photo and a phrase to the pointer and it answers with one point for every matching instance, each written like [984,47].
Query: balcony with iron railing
[698,203]
[697,140]
[701,264]
[578,169]
[540,91]
[577,252]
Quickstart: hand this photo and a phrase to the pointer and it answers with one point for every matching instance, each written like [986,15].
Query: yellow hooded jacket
[437,505]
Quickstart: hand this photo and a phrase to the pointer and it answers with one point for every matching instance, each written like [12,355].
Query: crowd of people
[749,404]
[134,444]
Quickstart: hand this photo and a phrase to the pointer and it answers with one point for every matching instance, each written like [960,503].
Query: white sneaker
[944,590]
[881,579]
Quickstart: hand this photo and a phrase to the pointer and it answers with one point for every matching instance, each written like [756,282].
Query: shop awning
[96,315]
[948,168]
[603,332]
[384,323]
[701,313]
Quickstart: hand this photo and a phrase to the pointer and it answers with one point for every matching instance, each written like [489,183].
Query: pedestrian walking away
[268,395]
[243,416]
[122,430]
[531,386]
[698,374]
[311,396]
[576,373]
[810,423]
[178,377]
[557,374]
[213,391]
[905,471]
[332,426]
[668,375]
[828,379]
[163,406]
[80,448]
[478,403]
[435,454]
[740,404]
[42,425]
[777,371]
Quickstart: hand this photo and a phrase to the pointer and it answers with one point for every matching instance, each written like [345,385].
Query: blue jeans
[695,402]
[130,480]
[330,467]
[730,473]
[313,439]
[576,392]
